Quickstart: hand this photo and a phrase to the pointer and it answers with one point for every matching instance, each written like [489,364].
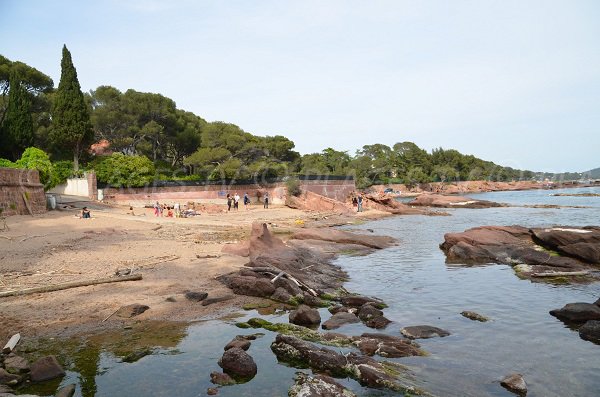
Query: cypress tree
[72,129]
[17,129]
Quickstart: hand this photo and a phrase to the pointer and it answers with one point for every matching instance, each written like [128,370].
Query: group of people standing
[357,201]
[167,210]
[235,201]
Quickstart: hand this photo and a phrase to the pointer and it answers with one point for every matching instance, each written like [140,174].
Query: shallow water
[419,289]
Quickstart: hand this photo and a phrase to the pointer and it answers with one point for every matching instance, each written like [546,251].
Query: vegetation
[146,138]
[72,131]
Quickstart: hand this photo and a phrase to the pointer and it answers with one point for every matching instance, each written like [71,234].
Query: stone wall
[18,185]
[334,189]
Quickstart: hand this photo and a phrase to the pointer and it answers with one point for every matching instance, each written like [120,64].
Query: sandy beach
[174,255]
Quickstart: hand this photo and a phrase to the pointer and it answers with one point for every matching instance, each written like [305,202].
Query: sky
[514,82]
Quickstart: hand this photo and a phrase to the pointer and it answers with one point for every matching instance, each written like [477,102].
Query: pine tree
[72,129]
[17,129]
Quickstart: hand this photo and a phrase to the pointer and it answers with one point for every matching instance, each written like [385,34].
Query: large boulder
[581,243]
[343,237]
[386,346]
[8,378]
[590,331]
[132,310]
[305,315]
[251,286]
[238,364]
[239,342]
[443,201]
[578,312]
[16,364]
[46,368]
[67,391]
[317,386]
[339,319]
[423,332]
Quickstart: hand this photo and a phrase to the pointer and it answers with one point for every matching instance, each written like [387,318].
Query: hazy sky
[515,82]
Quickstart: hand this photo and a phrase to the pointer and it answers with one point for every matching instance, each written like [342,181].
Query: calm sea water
[419,289]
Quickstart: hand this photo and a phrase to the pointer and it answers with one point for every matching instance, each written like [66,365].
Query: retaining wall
[18,185]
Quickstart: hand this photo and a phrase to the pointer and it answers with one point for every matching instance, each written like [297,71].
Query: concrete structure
[83,187]
[20,188]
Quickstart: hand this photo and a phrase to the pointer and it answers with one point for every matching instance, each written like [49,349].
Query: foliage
[128,171]
[61,171]
[17,129]
[5,163]
[37,159]
[72,131]
[293,187]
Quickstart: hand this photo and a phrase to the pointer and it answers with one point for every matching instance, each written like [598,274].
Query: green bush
[61,171]
[293,187]
[127,171]
[36,159]
[7,164]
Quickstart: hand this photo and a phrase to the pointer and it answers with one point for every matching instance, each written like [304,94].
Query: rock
[582,243]
[515,245]
[339,319]
[358,301]
[131,310]
[515,383]
[251,286]
[288,285]
[442,201]
[221,379]
[341,309]
[211,391]
[423,332]
[46,368]
[597,303]
[343,237]
[317,386]
[305,315]
[15,364]
[377,322]
[590,331]
[196,296]
[5,389]
[238,364]
[238,342]
[8,378]
[474,316]
[387,346]
[368,311]
[577,312]
[66,391]
[218,299]
[281,295]
[171,299]
[313,301]
[137,355]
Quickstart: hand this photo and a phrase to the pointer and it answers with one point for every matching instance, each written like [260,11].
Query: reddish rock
[251,286]
[305,315]
[239,342]
[46,368]
[515,383]
[343,237]
[581,243]
[339,319]
[131,310]
[577,312]
[238,364]
[443,201]
[423,332]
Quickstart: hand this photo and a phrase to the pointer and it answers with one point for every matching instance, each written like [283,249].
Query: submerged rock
[16,364]
[239,342]
[577,312]
[386,346]
[423,332]
[590,331]
[305,315]
[67,391]
[221,379]
[443,201]
[46,368]
[238,364]
[8,378]
[474,316]
[317,386]
[515,383]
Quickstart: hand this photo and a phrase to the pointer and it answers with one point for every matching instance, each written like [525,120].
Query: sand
[170,253]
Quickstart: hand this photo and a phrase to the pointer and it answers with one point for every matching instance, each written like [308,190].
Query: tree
[121,170]
[17,129]
[72,129]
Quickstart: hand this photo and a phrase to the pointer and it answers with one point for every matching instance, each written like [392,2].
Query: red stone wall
[337,190]
[16,182]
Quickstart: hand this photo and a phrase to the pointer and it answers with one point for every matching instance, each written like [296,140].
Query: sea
[420,289]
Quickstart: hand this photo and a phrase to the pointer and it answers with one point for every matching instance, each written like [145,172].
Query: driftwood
[561,274]
[12,342]
[73,284]
[279,273]
[110,315]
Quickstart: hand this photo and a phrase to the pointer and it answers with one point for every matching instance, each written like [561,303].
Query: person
[169,213]
[266,200]
[246,201]
[354,201]
[177,210]
[229,199]
[236,201]
[156,209]
[85,213]
[359,202]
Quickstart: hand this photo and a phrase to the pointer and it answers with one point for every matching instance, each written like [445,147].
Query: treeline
[150,138]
